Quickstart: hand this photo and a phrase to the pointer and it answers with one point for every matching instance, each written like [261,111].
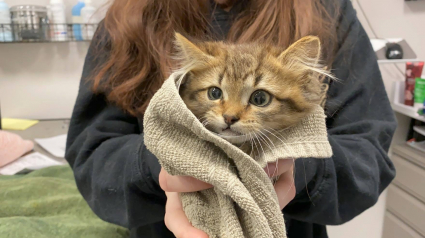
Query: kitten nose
[230,120]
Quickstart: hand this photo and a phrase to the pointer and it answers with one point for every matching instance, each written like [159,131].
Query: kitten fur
[292,78]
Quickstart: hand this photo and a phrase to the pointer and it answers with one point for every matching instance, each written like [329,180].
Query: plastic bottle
[5,21]
[77,19]
[58,18]
[419,93]
[89,20]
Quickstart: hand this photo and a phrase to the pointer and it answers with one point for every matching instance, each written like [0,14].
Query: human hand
[283,171]
[175,219]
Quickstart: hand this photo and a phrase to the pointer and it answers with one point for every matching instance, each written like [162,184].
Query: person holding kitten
[131,56]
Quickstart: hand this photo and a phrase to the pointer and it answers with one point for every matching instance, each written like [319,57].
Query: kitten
[244,91]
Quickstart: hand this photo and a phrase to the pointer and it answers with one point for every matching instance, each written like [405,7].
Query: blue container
[5,21]
[76,18]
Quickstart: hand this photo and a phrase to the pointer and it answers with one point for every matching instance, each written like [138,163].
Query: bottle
[413,70]
[5,23]
[89,20]
[419,93]
[77,20]
[58,18]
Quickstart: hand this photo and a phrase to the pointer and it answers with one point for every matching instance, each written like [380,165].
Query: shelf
[46,33]
[398,61]
[398,106]
[417,145]
[408,111]
[379,46]
[419,129]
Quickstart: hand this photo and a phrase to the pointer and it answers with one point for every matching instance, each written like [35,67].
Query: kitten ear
[306,50]
[188,51]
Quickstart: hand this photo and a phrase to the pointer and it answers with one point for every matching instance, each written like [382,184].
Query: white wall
[26,78]
[389,19]
[40,80]
[406,21]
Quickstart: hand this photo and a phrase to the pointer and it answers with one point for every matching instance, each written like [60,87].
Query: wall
[36,82]
[40,80]
[406,21]
[30,71]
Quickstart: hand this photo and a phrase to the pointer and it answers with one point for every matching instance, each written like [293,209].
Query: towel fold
[243,202]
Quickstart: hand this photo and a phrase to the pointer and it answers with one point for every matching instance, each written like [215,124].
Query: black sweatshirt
[118,176]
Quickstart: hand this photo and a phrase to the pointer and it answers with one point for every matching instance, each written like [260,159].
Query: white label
[77,20]
[58,14]
[5,17]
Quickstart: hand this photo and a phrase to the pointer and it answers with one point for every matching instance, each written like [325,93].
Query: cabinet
[405,215]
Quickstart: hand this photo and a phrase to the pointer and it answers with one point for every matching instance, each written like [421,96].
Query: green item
[46,203]
[419,90]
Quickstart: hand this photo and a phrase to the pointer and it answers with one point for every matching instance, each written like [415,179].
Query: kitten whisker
[280,131]
[277,163]
[276,136]
[205,122]
[266,143]
[293,161]
[267,138]
[268,171]
[292,185]
[201,118]
[305,180]
[246,139]
[256,136]
[276,169]
[255,144]
[252,146]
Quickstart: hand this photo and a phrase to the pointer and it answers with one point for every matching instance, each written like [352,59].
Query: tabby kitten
[247,90]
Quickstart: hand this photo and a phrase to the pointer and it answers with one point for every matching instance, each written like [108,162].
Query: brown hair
[141,33]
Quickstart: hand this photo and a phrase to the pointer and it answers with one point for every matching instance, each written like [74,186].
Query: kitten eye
[260,98]
[214,93]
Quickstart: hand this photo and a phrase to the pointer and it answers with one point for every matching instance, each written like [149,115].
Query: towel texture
[46,203]
[243,202]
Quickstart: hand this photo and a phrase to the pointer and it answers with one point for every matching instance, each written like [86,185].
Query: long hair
[140,36]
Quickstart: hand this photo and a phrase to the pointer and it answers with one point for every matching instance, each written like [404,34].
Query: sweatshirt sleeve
[115,173]
[360,125]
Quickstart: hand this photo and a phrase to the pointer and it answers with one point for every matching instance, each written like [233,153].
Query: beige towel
[243,202]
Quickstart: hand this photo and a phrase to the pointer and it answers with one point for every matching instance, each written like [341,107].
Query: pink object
[12,147]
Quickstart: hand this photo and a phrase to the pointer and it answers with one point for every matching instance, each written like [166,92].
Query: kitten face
[239,91]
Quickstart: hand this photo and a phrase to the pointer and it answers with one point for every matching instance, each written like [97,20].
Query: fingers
[277,168]
[177,222]
[180,184]
[285,188]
